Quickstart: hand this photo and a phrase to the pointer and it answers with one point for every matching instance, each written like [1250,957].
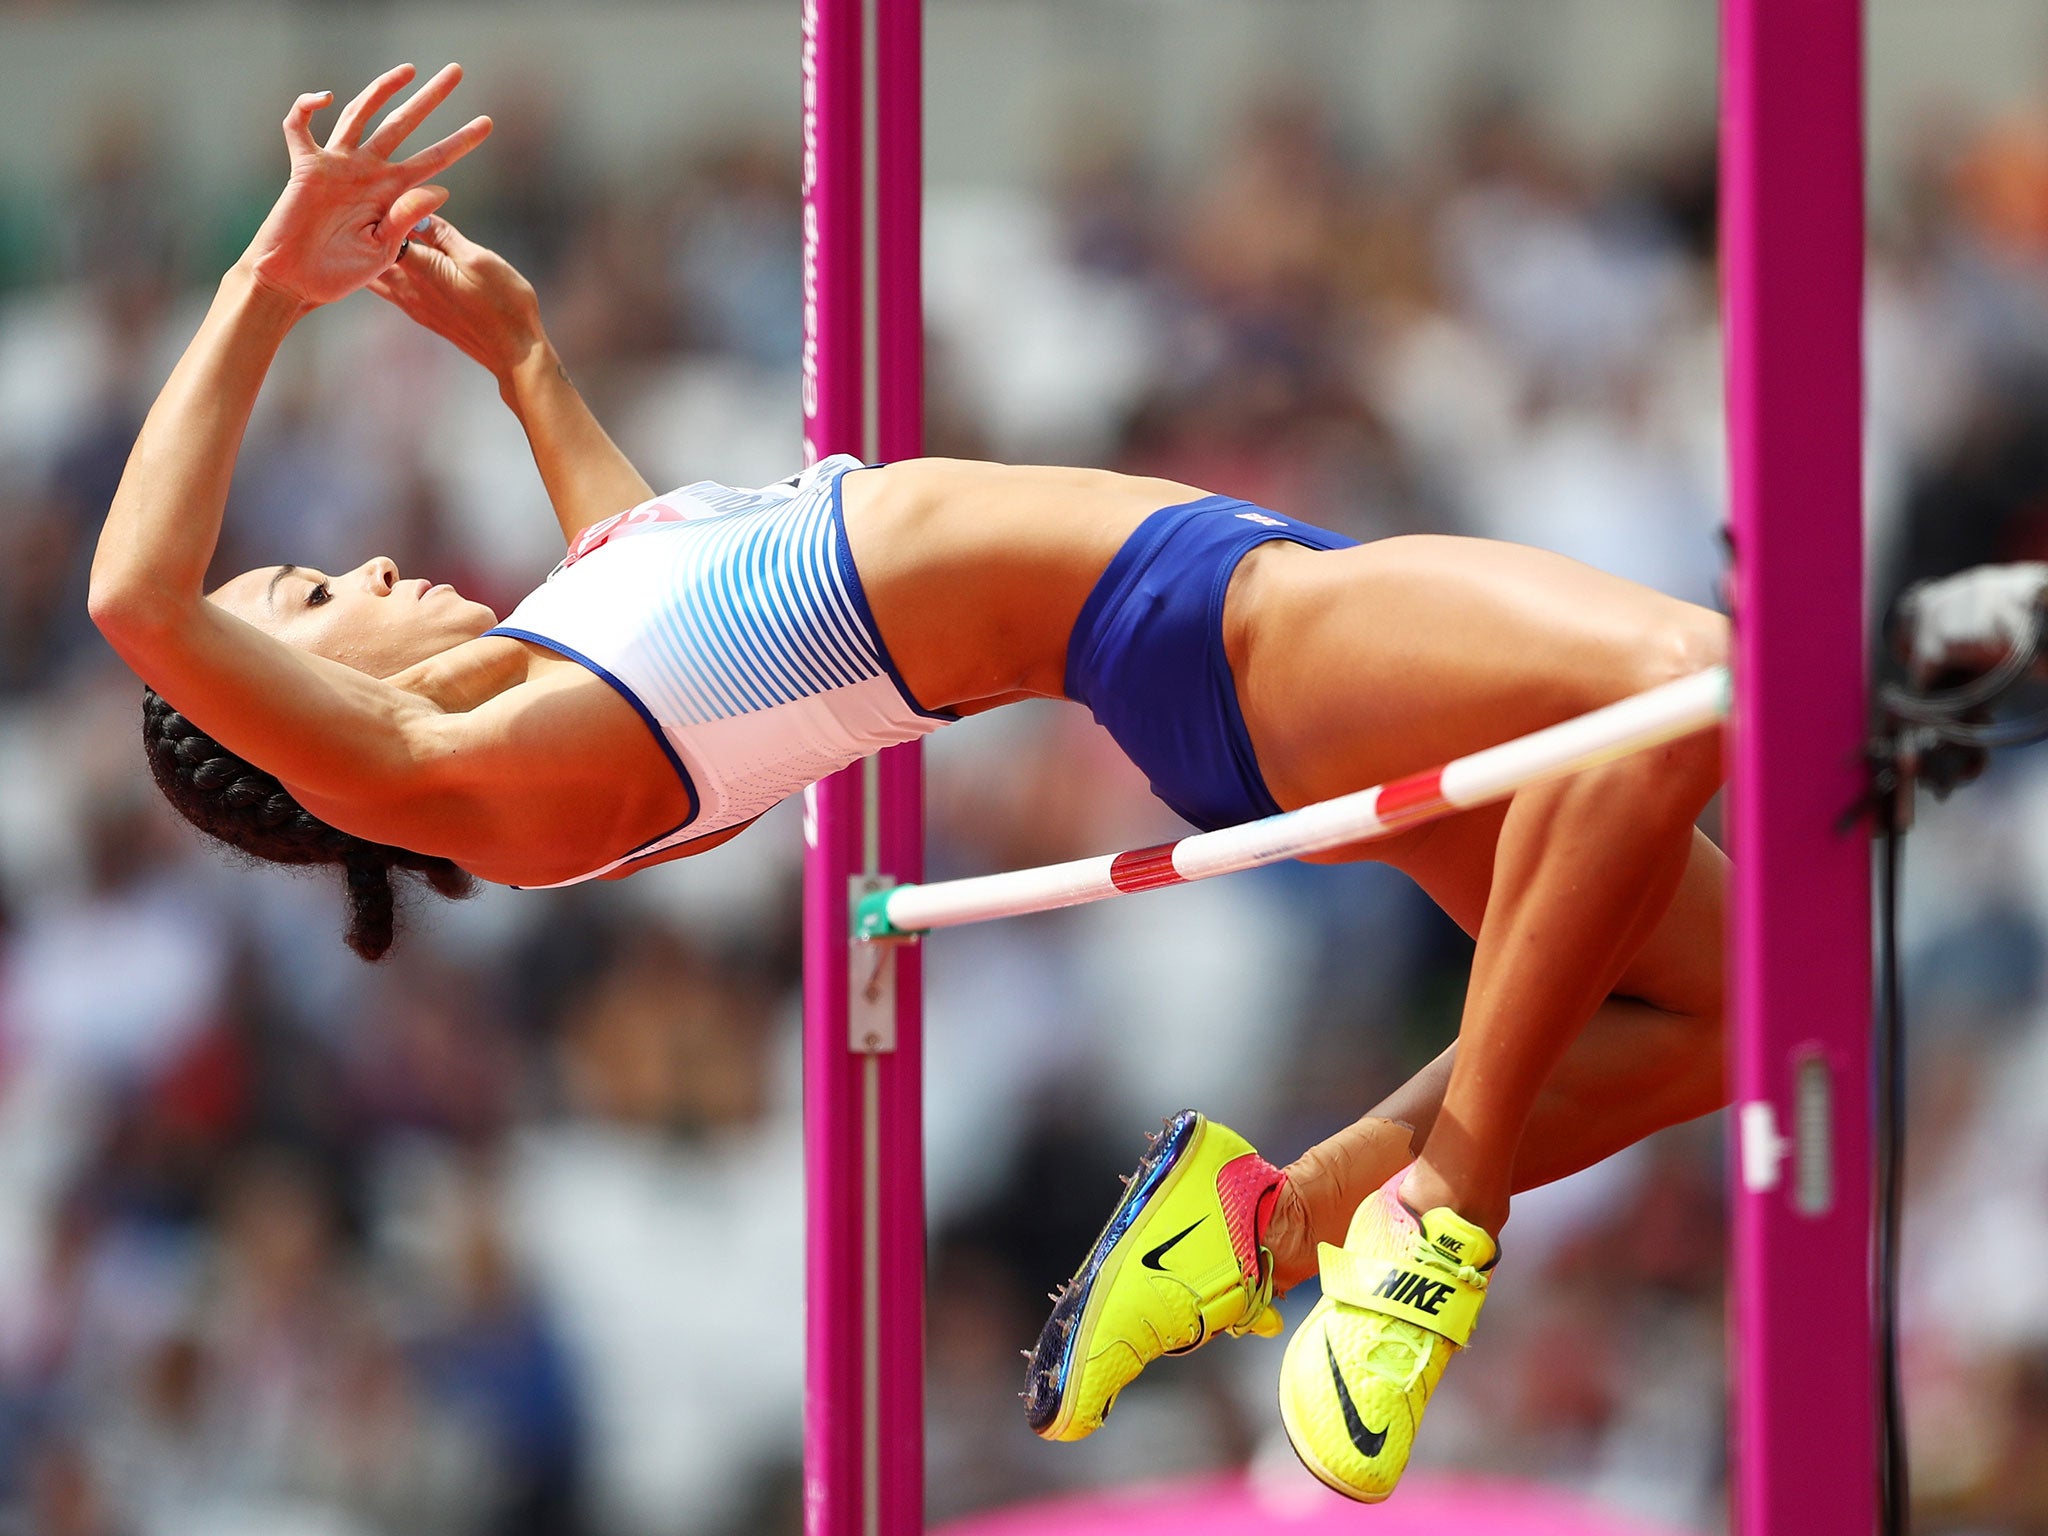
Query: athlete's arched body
[402,715]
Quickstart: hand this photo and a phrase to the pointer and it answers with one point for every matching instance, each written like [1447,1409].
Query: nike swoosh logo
[1151,1260]
[1370,1442]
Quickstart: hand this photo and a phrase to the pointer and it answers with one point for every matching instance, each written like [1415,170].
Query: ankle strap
[1444,1301]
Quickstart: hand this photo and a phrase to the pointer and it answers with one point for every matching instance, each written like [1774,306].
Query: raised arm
[312,722]
[477,299]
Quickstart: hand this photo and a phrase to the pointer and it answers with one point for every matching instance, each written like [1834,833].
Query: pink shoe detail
[1384,1208]
[1247,1187]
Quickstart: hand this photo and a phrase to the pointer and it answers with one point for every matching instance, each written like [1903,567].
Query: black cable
[1889,1063]
[1942,738]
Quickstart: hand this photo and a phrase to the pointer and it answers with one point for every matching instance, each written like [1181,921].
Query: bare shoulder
[541,782]
[431,806]
[561,736]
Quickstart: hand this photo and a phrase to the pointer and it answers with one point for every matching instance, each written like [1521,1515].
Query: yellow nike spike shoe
[1399,1298]
[1179,1263]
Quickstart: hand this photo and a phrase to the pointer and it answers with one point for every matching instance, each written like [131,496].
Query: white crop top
[734,622]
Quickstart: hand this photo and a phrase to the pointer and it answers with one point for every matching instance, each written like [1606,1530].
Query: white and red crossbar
[1631,725]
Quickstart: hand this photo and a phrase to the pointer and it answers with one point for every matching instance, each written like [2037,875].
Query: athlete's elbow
[128,612]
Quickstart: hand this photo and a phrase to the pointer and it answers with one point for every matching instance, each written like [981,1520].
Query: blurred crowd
[502,1237]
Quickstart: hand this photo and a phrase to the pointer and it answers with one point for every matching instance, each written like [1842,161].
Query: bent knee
[1685,772]
[1690,640]
[1676,640]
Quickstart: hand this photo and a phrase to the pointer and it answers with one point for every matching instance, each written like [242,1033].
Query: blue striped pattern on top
[756,611]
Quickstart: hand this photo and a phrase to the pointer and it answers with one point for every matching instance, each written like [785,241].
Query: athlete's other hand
[348,204]
[467,293]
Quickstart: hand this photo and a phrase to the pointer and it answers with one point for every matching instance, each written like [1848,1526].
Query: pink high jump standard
[863,1115]
[1804,1339]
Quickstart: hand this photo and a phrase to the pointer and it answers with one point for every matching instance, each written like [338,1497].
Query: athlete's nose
[382,573]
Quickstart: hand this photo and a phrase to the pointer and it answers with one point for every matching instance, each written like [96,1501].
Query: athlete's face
[367,618]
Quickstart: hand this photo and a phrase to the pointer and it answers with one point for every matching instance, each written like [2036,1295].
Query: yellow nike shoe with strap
[1399,1298]
[1179,1263]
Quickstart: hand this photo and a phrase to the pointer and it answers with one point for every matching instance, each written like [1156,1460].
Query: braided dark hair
[231,799]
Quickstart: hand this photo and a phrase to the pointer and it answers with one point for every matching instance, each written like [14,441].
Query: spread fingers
[393,131]
[349,126]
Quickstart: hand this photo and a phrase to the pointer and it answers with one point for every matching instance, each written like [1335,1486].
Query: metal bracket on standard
[1813,1137]
[1763,1148]
[871,969]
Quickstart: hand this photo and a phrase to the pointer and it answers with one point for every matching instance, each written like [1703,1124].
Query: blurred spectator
[736,251]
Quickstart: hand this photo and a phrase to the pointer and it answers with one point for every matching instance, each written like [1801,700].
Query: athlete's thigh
[1679,967]
[1354,666]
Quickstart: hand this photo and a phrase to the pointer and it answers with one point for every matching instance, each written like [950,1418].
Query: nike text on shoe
[1179,1263]
[1399,1298]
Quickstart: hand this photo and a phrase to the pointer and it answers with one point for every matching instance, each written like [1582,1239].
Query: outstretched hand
[465,292]
[348,206]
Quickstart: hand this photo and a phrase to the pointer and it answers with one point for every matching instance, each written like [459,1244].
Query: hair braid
[232,800]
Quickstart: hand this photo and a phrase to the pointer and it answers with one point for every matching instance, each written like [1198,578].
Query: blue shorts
[1146,655]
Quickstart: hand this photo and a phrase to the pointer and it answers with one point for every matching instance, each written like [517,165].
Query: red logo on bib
[597,535]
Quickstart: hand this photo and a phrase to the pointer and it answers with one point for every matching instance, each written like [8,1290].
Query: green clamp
[871,923]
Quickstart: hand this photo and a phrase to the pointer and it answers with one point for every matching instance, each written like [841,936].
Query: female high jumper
[700,655]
